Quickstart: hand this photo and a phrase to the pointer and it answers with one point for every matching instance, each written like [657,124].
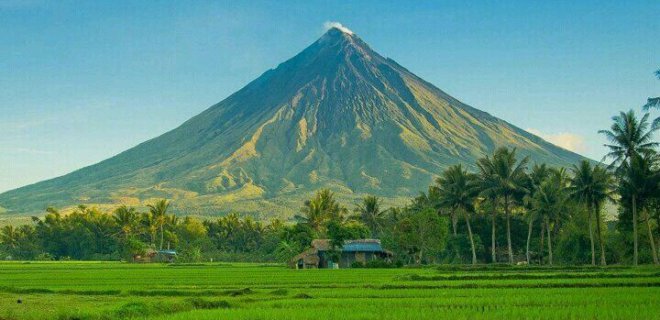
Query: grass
[102,290]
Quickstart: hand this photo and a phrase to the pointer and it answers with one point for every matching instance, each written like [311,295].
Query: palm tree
[159,213]
[489,201]
[639,183]
[9,236]
[458,192]
[654,102]
[503,175]
[127,220]
[549,201]
[538,174]
[322,208]
[591,186]
[371,215]
[602,191]
[628,138]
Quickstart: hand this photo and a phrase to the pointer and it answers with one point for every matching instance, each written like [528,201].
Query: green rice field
[103,290]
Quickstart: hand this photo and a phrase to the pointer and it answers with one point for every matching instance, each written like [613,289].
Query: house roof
[167,252]
[361,245]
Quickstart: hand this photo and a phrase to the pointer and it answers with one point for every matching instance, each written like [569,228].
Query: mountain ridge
[338,115]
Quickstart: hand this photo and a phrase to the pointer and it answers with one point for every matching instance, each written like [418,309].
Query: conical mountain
[336,115]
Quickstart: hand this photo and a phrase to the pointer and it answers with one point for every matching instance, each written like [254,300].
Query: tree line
[502,209]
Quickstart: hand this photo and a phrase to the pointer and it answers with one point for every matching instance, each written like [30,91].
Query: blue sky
[81,81]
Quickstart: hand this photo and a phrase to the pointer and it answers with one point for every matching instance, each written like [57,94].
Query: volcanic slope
[337,115]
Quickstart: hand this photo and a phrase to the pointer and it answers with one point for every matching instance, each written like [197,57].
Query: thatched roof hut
[318,256]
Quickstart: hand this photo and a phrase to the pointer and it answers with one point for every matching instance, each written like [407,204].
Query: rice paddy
[106,290]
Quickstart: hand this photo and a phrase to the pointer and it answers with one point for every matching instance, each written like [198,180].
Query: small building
[151,255]
[321,255]
[167,256]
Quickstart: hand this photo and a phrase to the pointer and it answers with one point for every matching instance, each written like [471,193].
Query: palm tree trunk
[591,235]
[508,228]
[454,221]
[492,238]
[529,238]
[542,242]
[651,240]
[635,244]
[600,236]
[474,251]
[549,241]
[161,236]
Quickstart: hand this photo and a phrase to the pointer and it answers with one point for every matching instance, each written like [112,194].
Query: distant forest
[507,211]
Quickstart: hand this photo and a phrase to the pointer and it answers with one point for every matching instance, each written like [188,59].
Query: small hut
[152,255]
[321,255]
[167,256]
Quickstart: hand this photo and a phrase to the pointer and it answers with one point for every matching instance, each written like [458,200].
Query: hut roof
[361,245]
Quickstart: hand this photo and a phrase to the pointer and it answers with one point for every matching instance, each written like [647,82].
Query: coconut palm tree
[639,183]
[490,201]
[591,186]
[654,102]
[602,191]
[538,174]
[549,201]
[127,220]
[370,213]
[458,191]
[322,208]
[9,236]
[159,213]
[628,138]
[503,175]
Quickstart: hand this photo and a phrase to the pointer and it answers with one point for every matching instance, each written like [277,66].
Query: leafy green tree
[503,175]
[458,192]
[192,235]
[419,234]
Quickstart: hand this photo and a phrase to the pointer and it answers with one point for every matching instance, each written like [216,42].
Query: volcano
[338,115]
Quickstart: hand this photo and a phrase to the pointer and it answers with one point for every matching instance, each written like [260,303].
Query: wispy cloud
[333,24]
[566,140]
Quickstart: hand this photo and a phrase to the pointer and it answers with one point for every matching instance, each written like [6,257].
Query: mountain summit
[337,115]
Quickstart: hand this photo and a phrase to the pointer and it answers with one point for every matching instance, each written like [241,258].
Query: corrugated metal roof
[362,247]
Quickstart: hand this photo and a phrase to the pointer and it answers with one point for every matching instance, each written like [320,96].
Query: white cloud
[333,24]
[566,140]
